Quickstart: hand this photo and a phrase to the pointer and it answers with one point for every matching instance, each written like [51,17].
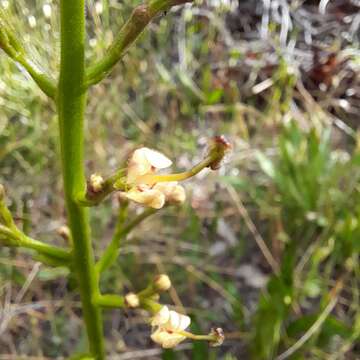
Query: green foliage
[312,189]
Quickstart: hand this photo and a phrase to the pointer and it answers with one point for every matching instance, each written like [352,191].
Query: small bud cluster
[161,283]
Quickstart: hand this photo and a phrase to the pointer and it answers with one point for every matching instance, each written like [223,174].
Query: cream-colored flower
[143,194]
[143,163]
[146,161]
[174,193]
[169,326]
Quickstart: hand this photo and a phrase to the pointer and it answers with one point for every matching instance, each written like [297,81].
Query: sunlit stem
[153,179]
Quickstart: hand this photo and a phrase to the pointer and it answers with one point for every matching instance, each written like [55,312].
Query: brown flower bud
[219,147]
[219,337]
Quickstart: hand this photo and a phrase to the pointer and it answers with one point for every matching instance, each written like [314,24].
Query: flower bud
[178,195]
[162,282]
[219,337]
[64,232]
[95,183]
[132,300]
[174,194]
[219,147]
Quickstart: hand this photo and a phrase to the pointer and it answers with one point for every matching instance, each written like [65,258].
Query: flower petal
[161,317]
[177,321]
[167,339]
[149,197]
[172,341]
[144,161]
[184,322]
[173,193]
[157,159]
[174,321]
[138,165]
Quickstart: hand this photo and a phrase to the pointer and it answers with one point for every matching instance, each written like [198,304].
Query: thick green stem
[71,106]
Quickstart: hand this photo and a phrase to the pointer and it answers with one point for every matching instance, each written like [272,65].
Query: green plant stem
[112,251]
[18,239]
[110,301]
[71,108]
[150,305]
[128,34]
[44,81]
[46,249]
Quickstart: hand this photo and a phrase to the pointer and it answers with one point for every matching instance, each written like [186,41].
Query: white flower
[145,162]
[169,326]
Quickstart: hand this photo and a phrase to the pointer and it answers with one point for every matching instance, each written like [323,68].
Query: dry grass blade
[252,228]
[317,324]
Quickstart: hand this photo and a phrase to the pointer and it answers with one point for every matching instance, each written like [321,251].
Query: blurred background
[267,247]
